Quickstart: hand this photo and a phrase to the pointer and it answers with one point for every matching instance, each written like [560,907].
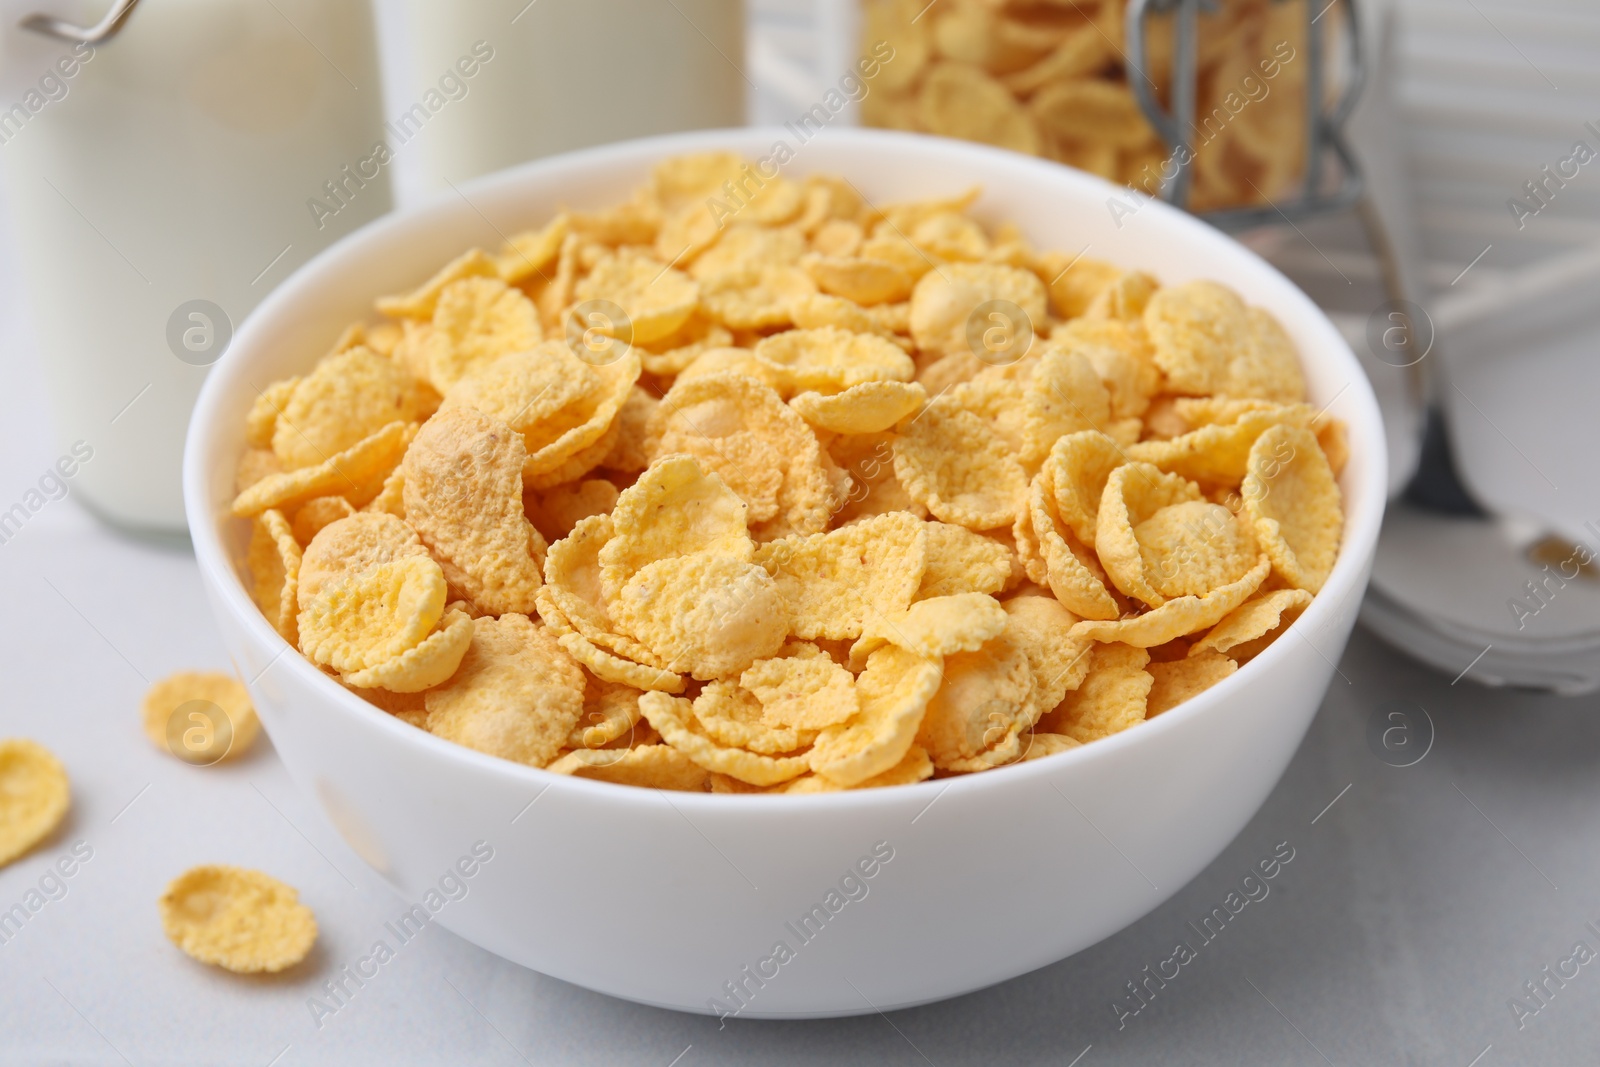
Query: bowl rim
[205,515]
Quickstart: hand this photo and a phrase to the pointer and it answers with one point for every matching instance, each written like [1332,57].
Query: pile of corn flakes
[1052,79]
[828,496]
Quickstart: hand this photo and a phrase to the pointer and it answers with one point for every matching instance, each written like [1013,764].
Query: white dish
[666,898]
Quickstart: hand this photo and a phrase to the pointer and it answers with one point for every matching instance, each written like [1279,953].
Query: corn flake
[1291,497]
[34,796]
[835,582]
[240,920]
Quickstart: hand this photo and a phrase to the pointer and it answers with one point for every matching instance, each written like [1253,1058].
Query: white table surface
[1416,905]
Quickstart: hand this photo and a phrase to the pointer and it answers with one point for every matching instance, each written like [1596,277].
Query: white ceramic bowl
[666,898]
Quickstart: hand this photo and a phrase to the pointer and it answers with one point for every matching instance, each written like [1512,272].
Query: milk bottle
[160,182]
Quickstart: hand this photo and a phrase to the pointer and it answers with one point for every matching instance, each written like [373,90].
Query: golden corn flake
[955,464]
[1039,745]
[1175,618]
[835,582]
[273,558]
[463,496]
[914,767]
[741,431]
[1207,342]
[1078,468]
[656,299]
[314,514]
[375,616]
[529,253]
[674,718]
[944,300]
[516,695]
[831,360]
[870,407]
[34,796]
[894,692]
[240,920]
[610,711]
[1059,659]
[982,707]
[1291,497]
[476,320]
[357,474]
[732,715]
[346,548]
[861,281]
[1194,547]
[424,665]
[961,561]
[703,614]
[675,508]
[420,304]
[1178,680]
[347,397]
[650,766]
[610,667]
[572,598]
[1073,573]
[932,628]
[201,717]
[1250,627]
[800,690]
[261,425]
[554,512]
[1113,696]
[1135,492]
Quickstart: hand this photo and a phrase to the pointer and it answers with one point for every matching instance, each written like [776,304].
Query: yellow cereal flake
[869,485]
[273,559]
[1039,745]
[613,668]
[831,360]
[804,691]
[516,695]
[731,715]
[554,512]
[1191,548]
[1178,680]
[610,712]
[704,614]
[1059,659]
[870,407]
[1078,468]
[195,734]
[34,796]
[261,425]
[932,628]
[675,508]
[529,253]
[1250,627]
[982,707]
[674,718]
[314,514]
[572,598]
[346,548]
[944,300]
[744,251]
[741,431]
[862,281]
[628,454]
[1074,281]
[959,467]
[1291,497]
[1218,453]
[463,496]
[1073,573]
[650,766]
[1112,698]
[254,465]
[960,561]
[656,299]
[835,582]
[960,100]
[914,767]
[1135,492]
[420,303]
[240,920]
[349,396]
[374,616]
[1207,342]
[357,474]
[894,692]
[423,666]
[1176,618]
[476,320]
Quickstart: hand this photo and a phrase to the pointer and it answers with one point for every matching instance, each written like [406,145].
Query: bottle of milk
[160,182]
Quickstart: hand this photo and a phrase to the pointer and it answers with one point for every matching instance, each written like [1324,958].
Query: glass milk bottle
[550,76]
[160,182]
